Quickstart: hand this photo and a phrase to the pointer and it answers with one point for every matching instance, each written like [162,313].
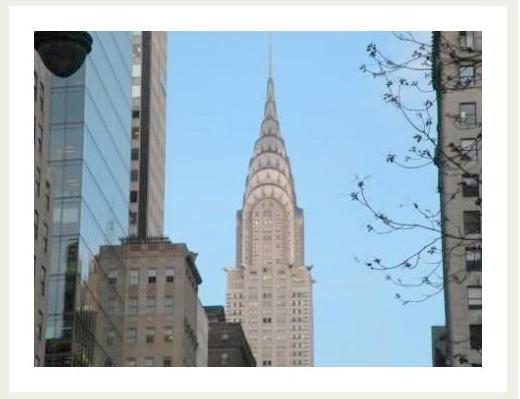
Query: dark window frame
[475,336]
[472,226]
[470,190]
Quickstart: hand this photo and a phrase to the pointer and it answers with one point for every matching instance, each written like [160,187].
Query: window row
[151,276]
[151,308]
[132,336]
[149,362]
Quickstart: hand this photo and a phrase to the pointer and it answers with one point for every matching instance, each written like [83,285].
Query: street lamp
[63,53]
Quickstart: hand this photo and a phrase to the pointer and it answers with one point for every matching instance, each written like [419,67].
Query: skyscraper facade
[269,290]
[90,158]
[42,204]
[458,82]
[146,214]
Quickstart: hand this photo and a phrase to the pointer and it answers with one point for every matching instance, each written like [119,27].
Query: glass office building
[90,159]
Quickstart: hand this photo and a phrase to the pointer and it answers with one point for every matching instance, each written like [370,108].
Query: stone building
[458,83]
[42,204]
[202,336]
[227,344]
[159,284]
[269,291]
[146,213]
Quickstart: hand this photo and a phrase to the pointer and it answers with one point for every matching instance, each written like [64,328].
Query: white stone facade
[270,288]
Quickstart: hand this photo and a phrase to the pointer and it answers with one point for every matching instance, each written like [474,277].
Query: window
[168,334]
[37,177]
[134,277]
[133,306]
[150,335]
[168,304]
[467,75]
[152,276]
[47,195]
[266,363]
[470,185]
[42,95]
[167,361]
[131,335]
[472,222]
[148,362]
[43,272]
[40,325]
[133,217]
[475,297]
[266,320]
[468,114]
[150,305]
[135,154]
[130,362]
[110,337]
[35,86]
[169,275]
[468,148]
[112,277]
[45,237]
[135,113]
[39,138]
[473,259]
[135,132]
[133,196]
[134,175]
[467,39]
[36,217]
[475,336]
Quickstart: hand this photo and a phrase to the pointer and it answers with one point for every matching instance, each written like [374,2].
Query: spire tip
[270,55]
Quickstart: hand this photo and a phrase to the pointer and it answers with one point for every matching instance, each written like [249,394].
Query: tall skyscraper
[42,204]
[146,214]
[458,82]
[90,159]
[270,289]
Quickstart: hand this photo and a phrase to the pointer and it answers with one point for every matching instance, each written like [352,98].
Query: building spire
[270,106]
[270,55]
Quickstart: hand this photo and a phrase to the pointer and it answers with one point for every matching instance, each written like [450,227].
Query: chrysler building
[269,291]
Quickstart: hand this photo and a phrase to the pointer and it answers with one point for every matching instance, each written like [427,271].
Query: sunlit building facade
[458,82]
[269,291]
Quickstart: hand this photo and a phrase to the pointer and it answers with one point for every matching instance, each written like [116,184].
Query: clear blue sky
[336,126]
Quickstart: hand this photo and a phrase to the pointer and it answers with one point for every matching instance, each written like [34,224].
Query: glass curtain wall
[90,159]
